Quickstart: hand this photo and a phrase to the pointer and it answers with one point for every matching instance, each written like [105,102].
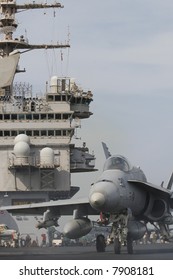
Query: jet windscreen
[117,162]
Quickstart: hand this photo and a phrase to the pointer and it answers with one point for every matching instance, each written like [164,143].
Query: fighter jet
[121,197]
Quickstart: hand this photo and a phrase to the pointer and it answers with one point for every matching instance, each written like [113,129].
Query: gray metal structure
[37,156]
[122,197]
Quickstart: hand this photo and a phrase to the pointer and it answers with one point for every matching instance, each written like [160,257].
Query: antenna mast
[8,25]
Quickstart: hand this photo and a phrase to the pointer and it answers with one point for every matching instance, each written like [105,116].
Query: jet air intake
[156,210]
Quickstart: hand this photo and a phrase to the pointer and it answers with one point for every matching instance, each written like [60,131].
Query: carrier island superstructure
[36,153]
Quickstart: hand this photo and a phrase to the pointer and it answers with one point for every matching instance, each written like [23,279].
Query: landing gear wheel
[129,244]
[100,243]
[117,246]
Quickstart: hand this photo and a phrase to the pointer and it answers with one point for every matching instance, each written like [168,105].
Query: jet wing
[150,187]
[59,207]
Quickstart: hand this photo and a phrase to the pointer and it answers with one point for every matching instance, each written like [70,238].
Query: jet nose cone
[97,200]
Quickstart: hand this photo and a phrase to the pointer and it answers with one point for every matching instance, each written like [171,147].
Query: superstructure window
[14,133]
[6,133]
[14,116]
[6,117]
[28,117]
[58,132]
[29,132]
[43,133]
[57,116]
[66,116]
[50,97]
[43,116]
[50,132]
[57,98]
[36,133]
[35,116]
[21,117]
[63,97]
[50,116]
[22,132]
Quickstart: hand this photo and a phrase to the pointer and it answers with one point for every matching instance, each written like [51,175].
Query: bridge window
[13,133]
[57,116]
[58,132]
[43,116]
[6,117]
[28,117]
[50,132]
[14,116]
[35,116]
[21,117]
[6,133]
[29,132]
[36,133]
[43,133]
[50,116]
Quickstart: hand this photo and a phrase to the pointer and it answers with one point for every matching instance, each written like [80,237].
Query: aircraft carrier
[36,150]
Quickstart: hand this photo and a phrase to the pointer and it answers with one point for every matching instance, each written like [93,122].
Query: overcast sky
[123,51]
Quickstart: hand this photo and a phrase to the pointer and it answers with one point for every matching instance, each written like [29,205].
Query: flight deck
[141,252]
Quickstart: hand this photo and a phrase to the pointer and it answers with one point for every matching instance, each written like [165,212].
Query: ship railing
[30,161]
[15,161]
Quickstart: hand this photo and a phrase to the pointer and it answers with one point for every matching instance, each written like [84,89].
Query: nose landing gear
[120,234]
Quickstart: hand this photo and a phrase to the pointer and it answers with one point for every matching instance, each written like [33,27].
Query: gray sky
[123,51]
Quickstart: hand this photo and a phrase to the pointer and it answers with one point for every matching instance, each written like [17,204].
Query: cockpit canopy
[117,162]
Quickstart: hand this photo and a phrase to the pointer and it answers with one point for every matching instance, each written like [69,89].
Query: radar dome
[21,149]
[47,156]
[22,137]
[53,81]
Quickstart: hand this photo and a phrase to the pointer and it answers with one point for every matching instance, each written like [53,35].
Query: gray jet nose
[97,200]
[105,196]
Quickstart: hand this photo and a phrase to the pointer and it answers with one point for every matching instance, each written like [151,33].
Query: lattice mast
[8,25]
